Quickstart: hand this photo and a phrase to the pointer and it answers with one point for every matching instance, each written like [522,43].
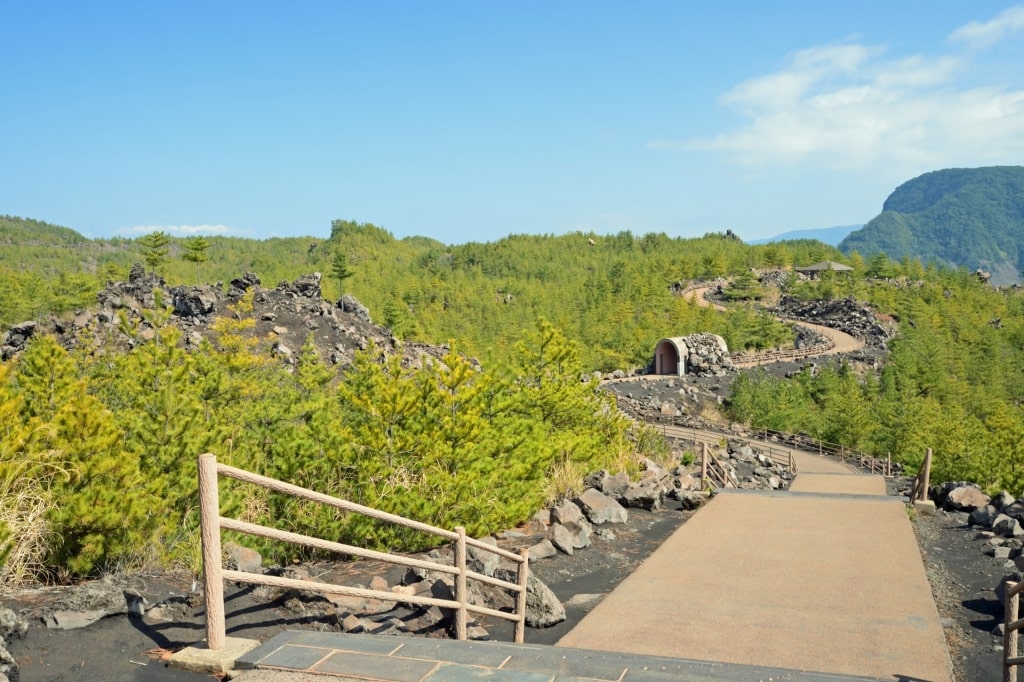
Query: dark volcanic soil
[116,647]
[963,582]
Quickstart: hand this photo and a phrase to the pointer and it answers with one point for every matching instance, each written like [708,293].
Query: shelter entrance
[668,359]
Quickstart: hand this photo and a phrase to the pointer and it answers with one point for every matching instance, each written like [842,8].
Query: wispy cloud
[985,34]
[850,106]
[176,230]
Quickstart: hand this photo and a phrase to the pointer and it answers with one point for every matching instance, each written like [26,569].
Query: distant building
[814,271]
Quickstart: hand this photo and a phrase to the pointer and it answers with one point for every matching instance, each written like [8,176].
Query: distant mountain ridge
[827,235]
[961,217]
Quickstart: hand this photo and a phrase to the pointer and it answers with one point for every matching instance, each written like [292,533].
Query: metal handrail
[214,575]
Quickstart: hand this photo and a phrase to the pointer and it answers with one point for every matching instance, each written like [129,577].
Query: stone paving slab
[800,582]
[406,659]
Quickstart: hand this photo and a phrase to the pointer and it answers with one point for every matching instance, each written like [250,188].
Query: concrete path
[841,341]
[825,578]
[815,464]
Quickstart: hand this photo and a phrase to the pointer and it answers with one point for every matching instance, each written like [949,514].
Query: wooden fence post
[1012,607]
[209,522]
[888,464]
[703,463]
[524,579]
[927,475]
[461,593]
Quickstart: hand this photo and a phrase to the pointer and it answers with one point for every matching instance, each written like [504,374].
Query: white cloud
[177,230]
[850,107]
[985,34]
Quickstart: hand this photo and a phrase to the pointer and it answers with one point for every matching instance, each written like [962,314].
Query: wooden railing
[846,454]
[762,439]
[780,456]
[1012,625]
[714,471]
[214,575]
[741,359]
[919,491]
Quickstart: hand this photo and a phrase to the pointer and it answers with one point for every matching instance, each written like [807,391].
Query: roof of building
[824,265]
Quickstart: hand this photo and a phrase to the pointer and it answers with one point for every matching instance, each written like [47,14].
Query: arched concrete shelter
[702,353]
[670,356]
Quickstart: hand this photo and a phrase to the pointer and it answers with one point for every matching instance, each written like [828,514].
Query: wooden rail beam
[214,575]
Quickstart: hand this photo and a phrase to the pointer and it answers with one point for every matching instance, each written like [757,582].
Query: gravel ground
[963,581]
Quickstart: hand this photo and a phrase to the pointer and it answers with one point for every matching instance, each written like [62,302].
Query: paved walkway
[818,584]
[827,578]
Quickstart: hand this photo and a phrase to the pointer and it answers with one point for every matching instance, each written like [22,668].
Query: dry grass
[713,414]
[565,481]
[23,507]
[160,654]
[255,505]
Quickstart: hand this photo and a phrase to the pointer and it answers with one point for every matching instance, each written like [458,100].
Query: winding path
[825,577]
[841,342]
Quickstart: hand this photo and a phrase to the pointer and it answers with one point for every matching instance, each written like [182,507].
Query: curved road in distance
[842,342]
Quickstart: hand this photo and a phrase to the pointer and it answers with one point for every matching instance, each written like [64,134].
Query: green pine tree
[196,253]
[157,246]
[341,269]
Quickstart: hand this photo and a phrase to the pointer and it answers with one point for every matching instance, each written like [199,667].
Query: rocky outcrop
[307,286]
[708,355]
[12,626]
[543,609]
[243,284]
[960,496]
[599,508]
[287,314]
[136,294]
[847,315]
[349,304]
[16,337]
[194,303]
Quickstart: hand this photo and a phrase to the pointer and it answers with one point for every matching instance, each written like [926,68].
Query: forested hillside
[98,449]
[969,217]
[611,294]
[953,382]
[97,453]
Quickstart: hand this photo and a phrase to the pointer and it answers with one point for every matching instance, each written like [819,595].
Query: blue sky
[468,121]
